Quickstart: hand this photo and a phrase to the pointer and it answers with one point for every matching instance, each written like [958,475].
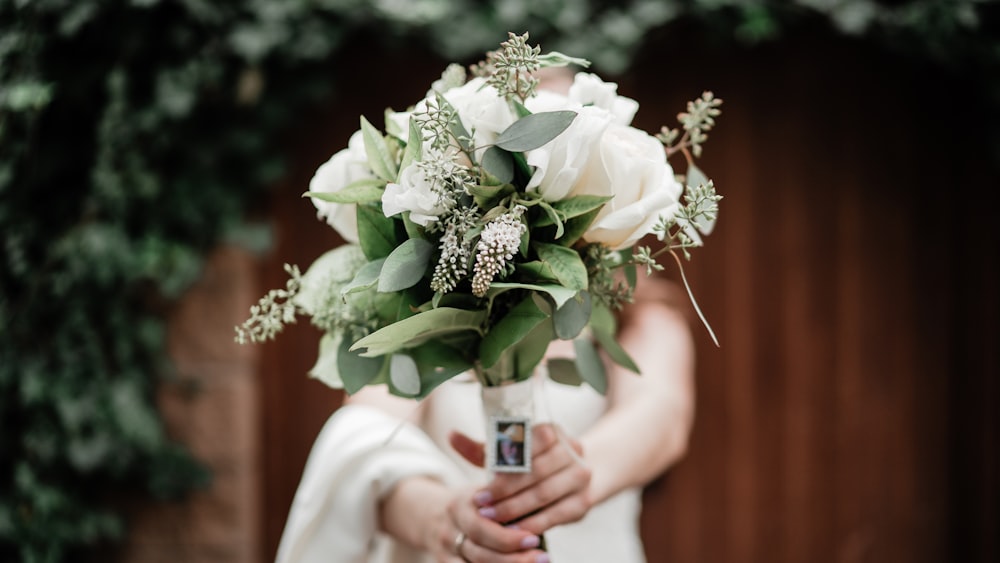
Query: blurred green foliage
[134,136]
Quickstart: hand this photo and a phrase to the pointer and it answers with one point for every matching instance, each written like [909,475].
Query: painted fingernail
[482,498]
[530,542]
[488,512]
[542,558]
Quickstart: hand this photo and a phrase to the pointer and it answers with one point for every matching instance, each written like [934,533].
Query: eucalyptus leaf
[533,131]
[376,232]
[437,362]
[559,293]
[499,163]
[379,158]
[366,278]
[572,316]
[530,351]
[418,329]
[566,264]
[365,190]
[514,326]
[590,366]
[403,374]
[562,370]
[355,370]
[486,193]
[325,368]
[405,266]
[603,327]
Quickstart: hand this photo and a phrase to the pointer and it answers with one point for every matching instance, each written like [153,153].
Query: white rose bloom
[642,183]
[560,164]
[589,90]
[481,109]
[413,193]
[346,166]
[596,156]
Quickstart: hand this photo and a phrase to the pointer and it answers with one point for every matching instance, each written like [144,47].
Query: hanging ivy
[134,136]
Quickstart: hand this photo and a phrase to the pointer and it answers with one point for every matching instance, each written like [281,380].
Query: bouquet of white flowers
[486,221]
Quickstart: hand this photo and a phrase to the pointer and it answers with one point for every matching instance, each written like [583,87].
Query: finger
[525,552]
[470,449]
[568,509]
[573,480]
[544,465]
[495,538]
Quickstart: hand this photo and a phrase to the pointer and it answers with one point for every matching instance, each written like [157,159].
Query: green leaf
[590,366]
[562,370]
[366,278]
[414,147]
[379,158]
[365,190]
[376,232]
[559,293]
[405,266]
[551,217]
[566,264]
[418,329]
[574,207]
[533,131]
[499,163]
[695,177]
[577,227]
[603,326]
[325,368]
[437,362]
[356,371]
[530,351]
[403,375]
[536,271]
[513,327]
[486,194]
[571,317]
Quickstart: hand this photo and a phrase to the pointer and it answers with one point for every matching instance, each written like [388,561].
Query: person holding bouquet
[494,235]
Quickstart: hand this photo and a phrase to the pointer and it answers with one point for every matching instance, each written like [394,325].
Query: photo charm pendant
[508,444]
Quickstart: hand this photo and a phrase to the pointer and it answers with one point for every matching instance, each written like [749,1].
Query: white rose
[589,90]
[412,193]
[483,112]
[596,156]
[343,168]
[560,164]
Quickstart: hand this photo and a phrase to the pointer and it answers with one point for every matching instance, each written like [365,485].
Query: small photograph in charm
[509,445]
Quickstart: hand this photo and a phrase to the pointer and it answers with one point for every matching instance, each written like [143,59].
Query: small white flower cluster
[497,244]
[454,262]
[270,315]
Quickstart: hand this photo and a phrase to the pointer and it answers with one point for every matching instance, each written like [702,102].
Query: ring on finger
[456,545]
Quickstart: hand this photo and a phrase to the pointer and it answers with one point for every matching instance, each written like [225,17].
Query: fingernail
[542,558]
[488,512]
[482,498]
[530,542]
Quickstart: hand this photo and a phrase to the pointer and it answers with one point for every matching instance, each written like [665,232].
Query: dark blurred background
[152,158]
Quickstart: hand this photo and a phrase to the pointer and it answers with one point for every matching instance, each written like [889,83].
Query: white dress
[361,452]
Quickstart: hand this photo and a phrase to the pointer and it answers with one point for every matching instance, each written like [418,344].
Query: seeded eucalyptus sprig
[696,122]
